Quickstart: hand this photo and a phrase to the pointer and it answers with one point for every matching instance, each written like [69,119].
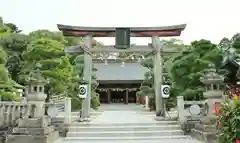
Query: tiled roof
[115,71]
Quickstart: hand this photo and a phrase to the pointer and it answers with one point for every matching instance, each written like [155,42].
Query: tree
[55,64]
[4,30]
[14,45]
[188,67]
[13,28]
[7,85]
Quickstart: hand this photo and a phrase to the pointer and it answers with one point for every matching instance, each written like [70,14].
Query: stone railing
[201,126]
[64,109]
[11,112]
[183,111]
[185,117]
[58,99]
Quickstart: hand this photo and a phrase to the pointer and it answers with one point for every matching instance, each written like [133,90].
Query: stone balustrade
[183,111]
[11,112]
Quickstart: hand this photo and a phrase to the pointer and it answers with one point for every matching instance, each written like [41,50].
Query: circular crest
[52,111]
[194,109]
[166,90]
[82,90]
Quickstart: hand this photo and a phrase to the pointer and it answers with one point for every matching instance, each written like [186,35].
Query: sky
[205,19]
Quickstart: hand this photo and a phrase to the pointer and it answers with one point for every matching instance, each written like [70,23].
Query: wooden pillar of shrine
[109,96]
[126,97]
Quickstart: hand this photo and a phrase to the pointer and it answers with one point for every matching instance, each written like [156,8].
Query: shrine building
[119,81]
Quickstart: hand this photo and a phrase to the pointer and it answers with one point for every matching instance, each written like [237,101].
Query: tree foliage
[183,71]
[7,85]
[189,66]
[19,53]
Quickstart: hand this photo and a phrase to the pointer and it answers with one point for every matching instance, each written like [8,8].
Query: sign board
[82,91]
[165,91]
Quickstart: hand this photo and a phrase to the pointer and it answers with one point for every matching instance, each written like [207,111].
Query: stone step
[134,139]
[125,133]
[92,113]
[74,124]
[123,128]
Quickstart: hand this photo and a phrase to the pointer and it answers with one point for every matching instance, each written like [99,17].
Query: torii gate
[122,44]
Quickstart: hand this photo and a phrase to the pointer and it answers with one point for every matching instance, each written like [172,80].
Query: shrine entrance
[126,71]
[118,93]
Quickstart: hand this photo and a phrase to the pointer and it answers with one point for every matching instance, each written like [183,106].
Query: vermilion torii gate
[122,44]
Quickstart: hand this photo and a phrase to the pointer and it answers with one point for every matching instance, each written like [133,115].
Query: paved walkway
[108,117]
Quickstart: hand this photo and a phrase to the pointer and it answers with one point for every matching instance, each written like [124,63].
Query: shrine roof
[232,61]
[174,30]
[114,71]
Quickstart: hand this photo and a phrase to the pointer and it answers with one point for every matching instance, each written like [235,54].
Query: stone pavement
[125,114]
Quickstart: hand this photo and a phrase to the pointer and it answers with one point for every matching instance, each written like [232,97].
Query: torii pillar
[86,105]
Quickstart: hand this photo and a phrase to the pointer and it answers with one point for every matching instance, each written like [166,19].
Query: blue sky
[209,19]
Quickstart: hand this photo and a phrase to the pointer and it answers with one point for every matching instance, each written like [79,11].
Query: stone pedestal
[33,130]
[205,130]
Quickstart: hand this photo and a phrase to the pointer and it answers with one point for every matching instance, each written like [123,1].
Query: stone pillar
[68,111]
[126,97]
[87,77]
[146,101]
[109,96]
[180,107]
[157,62]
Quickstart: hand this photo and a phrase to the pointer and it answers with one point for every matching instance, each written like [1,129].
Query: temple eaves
[80,31]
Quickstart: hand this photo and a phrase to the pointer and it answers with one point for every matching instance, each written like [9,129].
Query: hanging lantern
[122,39]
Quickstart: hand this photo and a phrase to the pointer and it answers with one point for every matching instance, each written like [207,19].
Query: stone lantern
[35,91]
[37,128]
[214,83]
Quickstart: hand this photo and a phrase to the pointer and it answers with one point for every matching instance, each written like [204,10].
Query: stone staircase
[94,114]
[124,131]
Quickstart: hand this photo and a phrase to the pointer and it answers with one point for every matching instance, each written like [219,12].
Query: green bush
[8,96]
[95,102]
[171,103]
[151,103]
[76,104]
[228,122]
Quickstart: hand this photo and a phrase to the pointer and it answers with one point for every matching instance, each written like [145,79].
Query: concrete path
[108,117]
